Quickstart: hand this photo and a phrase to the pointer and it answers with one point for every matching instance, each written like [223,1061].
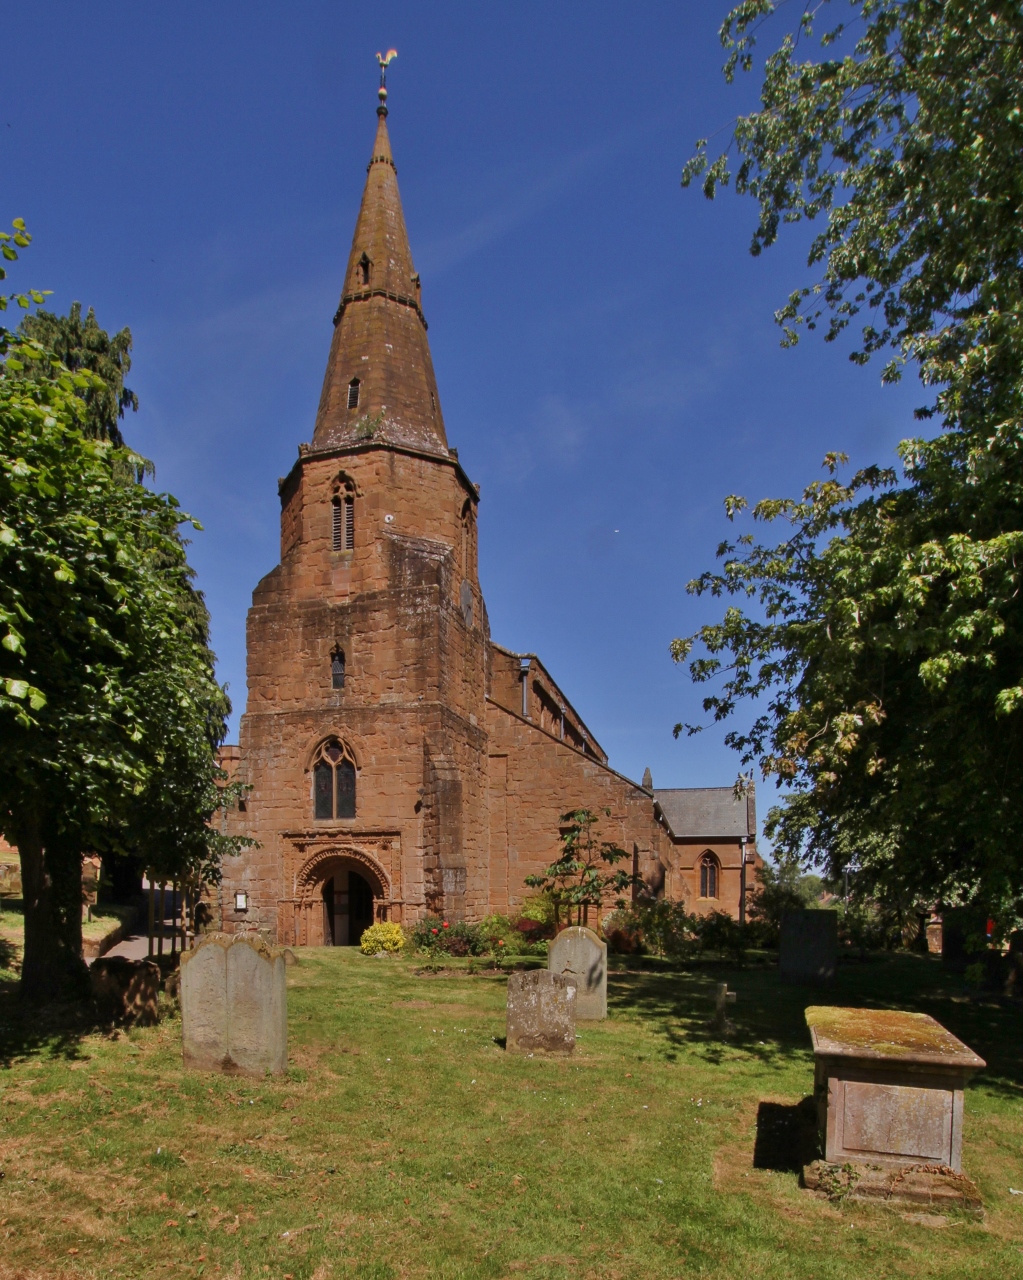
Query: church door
[328,913]
[360,906]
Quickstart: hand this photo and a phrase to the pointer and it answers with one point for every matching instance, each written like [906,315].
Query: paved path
[134,947]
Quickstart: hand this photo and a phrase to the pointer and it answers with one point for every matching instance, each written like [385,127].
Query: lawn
[105,920]
[406,1142]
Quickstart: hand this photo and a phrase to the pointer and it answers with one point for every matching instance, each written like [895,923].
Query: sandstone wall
[534,778]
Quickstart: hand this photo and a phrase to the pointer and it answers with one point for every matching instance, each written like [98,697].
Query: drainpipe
[742,881]
[524,672]
[562,724]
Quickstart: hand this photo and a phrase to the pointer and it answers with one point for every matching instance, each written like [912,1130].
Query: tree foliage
[884,651]
[110,711]
[587,869]
[81,344]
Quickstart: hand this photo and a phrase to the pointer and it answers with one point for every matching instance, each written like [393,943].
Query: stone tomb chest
[580,956]
[234,1011]
[889,1086]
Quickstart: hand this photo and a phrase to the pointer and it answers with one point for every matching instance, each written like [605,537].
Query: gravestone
[234,1013]
[541,1012]
[580,956]
[722,999]
[809,946]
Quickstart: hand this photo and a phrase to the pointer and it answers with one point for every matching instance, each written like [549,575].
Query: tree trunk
[51,878]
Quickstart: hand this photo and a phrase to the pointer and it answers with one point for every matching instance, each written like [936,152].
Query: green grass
[405,1142]
[105,920]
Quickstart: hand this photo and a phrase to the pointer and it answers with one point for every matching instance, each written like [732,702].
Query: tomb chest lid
[891,1035]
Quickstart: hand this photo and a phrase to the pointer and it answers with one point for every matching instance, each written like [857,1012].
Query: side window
[353,393]
[337,669]
[334,778]
[708,876]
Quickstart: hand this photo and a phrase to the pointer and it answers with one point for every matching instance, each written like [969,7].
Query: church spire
[379,382]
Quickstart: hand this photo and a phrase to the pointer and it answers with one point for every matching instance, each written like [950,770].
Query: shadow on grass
[768,1018]
[786,1136]
[51,1031]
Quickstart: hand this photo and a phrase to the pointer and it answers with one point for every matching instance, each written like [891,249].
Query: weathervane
[384,59]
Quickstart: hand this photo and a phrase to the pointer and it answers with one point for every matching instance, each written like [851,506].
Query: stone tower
[363,739]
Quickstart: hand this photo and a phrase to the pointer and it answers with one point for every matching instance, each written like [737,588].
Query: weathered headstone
[234,1012]
[127,990]
[541,1012]
[580,956]
[809,946]
[722,999]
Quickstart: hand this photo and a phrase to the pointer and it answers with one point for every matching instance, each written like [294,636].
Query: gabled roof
[706,813]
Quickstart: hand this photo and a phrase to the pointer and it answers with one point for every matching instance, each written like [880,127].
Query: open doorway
[347,908]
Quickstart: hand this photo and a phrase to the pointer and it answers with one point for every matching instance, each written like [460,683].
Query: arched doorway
[347,907]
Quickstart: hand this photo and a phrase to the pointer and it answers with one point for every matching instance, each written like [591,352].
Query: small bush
[719,932]
[386,936]
[453,939]
[539,908]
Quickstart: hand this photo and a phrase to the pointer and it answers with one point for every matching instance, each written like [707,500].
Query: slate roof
[707,812]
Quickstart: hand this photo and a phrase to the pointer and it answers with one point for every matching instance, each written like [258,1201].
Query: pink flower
[500,942]
[433,930]
[445,924]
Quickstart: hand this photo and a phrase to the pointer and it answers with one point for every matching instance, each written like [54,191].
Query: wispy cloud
[448,251]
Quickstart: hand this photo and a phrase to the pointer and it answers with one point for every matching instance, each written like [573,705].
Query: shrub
[779,888]
[458,939]
[660,927]
[538,907]
[386,936]
[719,932]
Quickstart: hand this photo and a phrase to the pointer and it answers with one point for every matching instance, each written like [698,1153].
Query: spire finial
[384,59]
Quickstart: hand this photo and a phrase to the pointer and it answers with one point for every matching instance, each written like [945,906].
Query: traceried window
[333,781]
[708,876]
[337,669]
[343,524]
[353,394]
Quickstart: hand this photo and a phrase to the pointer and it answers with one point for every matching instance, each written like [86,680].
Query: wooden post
[152,910]
[163,912]
[174,917]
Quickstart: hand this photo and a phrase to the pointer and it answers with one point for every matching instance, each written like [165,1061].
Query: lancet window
[334,777]
[708,876]
[337,669]
[353,393]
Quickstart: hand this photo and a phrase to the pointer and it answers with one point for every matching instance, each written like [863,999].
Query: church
[399,762]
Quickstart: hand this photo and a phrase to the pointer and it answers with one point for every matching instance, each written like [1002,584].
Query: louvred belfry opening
[380,347]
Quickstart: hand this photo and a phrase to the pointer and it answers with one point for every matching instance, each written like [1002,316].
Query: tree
[110,712]
[582,876]
[885,656]
[81,344]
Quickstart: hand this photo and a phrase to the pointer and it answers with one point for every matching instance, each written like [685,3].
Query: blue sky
[608,363]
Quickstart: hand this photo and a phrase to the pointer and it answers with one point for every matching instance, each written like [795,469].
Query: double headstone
[541,1013]
[809,946]
[234,1012]
[579,955]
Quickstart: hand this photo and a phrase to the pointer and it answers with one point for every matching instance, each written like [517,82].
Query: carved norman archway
[332,895]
